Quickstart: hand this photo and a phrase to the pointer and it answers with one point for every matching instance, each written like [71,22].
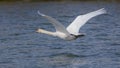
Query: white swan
[72,31]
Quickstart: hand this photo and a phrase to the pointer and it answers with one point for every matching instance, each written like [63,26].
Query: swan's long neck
[46,32]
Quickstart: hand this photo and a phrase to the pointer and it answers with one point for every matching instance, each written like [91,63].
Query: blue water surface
[22,47]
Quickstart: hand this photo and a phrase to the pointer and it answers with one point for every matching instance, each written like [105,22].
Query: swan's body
[72,31]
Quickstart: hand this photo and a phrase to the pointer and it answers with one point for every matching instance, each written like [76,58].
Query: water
[22,47]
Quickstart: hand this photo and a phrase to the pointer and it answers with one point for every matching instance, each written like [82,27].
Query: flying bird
[72,31]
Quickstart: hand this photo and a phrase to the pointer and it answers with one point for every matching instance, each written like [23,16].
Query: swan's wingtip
[103,10]
[40,13]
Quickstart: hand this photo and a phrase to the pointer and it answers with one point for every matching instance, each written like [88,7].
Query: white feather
[72,31]
[80,20]
[58,26]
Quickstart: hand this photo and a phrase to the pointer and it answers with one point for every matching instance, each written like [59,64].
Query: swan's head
[39,30]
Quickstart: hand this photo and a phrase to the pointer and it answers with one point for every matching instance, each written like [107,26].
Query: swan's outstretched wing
[58,26]
[80,20]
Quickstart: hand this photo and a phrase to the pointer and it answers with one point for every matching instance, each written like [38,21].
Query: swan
[72,31]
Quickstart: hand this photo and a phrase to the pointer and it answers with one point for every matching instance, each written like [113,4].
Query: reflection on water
[22,47]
